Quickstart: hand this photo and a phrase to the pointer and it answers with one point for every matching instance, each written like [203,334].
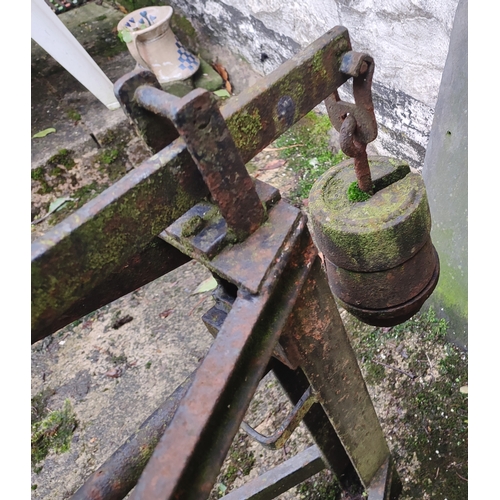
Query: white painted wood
[53,36]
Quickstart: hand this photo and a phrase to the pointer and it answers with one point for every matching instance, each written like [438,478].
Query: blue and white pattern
[186,59]
[141,23]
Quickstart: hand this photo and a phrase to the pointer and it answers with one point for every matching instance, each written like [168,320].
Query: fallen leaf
[464,389]
[225,77]
[58,203]
[54,206]
[222,93]
[206,286]
[166,313]
[221,70]
[275,164]
[43,133]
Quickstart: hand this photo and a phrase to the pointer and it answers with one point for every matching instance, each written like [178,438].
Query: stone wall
[408,39]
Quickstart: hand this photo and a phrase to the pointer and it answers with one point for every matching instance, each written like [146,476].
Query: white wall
[408,39]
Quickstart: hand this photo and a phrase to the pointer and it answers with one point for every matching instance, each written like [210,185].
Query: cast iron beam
[71,259]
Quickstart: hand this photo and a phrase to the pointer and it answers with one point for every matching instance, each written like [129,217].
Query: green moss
[56,172]
[452,292]
[52,433]
[318,65]
[73,115]
[355,194]
[379,231]
[241,462]
[245,129]
[375,373]
[192,226]
[64,158]
[307,152]
[108,156]
[184,25]
[37,174]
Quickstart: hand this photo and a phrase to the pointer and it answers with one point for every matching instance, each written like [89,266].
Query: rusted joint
[199,122]
[356,121]
[281,436]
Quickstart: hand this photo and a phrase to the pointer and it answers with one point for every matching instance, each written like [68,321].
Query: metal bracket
[199,122]
[356,122]
[281,436]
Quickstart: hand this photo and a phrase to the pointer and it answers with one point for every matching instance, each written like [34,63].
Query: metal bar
[294,383]
[157,131]
[188,458]
[281,478]
[331,367]
[285,430]
[201,125]
[157,259]
[385,484]
[75,256]
[259,114]
[116,477]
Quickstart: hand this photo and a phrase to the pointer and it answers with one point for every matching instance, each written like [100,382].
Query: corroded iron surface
[74,257]
[356,121]
[379,256]
[281,478]
[402,312]
[387,288]
[201,125]
[373,235]
[114,479]
[210,414]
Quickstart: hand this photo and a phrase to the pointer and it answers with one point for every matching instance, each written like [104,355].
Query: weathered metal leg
[116,477]
[294,382]
[316,333]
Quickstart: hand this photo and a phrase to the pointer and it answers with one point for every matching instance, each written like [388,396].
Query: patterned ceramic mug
[153,44]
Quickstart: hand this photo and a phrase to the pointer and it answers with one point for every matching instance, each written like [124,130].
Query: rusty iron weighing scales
[274,304]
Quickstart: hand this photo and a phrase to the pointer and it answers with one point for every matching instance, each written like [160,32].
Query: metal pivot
[356,122]
[199,122]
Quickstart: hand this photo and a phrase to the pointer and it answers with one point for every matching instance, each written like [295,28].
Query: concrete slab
[59,101]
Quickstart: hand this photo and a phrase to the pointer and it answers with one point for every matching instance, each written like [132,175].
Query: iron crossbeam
[78,254]
[282,477]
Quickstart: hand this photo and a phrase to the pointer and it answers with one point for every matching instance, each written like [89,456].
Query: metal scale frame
[274,310]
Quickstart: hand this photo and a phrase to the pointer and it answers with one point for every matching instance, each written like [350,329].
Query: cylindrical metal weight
[380,260]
